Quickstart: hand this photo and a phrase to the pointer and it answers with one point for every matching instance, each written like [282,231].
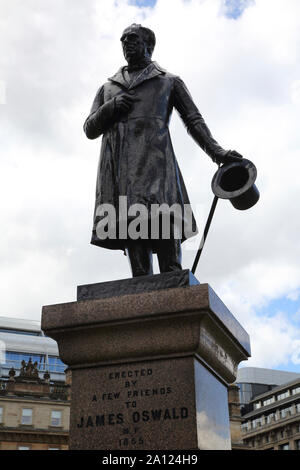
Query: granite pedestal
[149,370]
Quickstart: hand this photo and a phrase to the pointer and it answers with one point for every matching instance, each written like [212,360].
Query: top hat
[235,181]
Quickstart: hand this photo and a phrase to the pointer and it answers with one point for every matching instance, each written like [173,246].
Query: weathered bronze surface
[132,111]
[104,290]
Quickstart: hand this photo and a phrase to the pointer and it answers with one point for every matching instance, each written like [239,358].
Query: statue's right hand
[123,103]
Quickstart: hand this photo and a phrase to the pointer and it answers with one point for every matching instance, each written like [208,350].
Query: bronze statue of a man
[132,111]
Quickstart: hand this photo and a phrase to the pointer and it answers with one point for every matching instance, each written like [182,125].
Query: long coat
[137,158]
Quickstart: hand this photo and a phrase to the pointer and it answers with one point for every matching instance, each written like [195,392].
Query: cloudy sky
[241,61]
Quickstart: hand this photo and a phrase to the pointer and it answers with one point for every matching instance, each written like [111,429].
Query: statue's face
[134,47]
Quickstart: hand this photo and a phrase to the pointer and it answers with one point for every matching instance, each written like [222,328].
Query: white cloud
[274,341]
[244,75]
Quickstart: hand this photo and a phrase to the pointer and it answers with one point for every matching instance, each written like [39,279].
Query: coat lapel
[118,78]
[151,71]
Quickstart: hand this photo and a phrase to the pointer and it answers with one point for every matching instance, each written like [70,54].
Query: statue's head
[138,43]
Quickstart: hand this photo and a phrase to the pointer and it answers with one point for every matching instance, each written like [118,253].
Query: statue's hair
[148,35]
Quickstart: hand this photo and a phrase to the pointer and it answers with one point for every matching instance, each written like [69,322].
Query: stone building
[253,381]
[235,418]
[274,420]
[34,413]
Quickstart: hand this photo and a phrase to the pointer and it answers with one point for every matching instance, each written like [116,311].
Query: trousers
[140,255]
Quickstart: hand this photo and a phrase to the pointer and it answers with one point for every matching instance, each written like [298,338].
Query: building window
[245,427]
[268,401]
[256,423]
[285,412]
[53,448]
[298,407]
[55,364]
[295,390]
[283,395]
[270,417]
[14,359]
[284,447]
[23,448]
[1,415]
[55,418]
[257,405]
[26,416]
[297,445]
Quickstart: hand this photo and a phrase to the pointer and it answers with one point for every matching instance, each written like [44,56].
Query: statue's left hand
[232,156]
[227,156]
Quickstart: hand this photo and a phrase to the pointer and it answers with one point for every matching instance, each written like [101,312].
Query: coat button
[131,92]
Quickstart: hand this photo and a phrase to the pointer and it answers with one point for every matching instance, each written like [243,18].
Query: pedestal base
[153,405]
[149,370]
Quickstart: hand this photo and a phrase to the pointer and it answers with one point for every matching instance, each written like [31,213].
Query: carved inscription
[127,395]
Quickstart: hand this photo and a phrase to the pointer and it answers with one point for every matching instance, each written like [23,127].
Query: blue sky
[242,67]
[235,8]
[143,3]
[232,8]
[290,307]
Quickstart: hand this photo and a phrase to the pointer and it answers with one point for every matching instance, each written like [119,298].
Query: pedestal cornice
[174,322]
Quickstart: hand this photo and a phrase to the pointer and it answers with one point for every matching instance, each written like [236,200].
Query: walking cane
[204,236]
[235,182]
